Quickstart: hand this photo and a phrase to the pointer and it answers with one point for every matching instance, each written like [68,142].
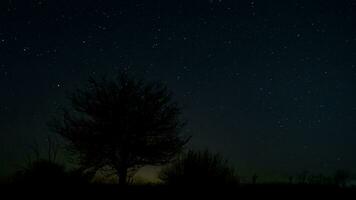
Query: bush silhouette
[123,124]
[41,171]
[47,172]
[341,177]
[201,168]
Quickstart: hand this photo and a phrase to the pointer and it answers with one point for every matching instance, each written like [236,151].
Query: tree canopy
[124,124]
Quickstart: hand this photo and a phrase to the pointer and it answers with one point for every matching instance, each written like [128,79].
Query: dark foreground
[183,192]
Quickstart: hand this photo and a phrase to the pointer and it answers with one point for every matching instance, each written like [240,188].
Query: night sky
[269,84]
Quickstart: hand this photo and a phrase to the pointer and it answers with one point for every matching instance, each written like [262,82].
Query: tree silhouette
[201,168]
[123,124]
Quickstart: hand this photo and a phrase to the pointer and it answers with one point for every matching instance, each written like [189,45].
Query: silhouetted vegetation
[47,172]
[122,124]
[118,126]
[341,177]
[201,168]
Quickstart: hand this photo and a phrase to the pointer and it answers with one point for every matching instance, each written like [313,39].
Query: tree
[201,168]
[122,124]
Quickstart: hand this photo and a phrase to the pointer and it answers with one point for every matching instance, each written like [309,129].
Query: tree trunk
[122,177]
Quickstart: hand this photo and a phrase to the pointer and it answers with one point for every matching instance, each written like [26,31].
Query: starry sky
[269,84]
